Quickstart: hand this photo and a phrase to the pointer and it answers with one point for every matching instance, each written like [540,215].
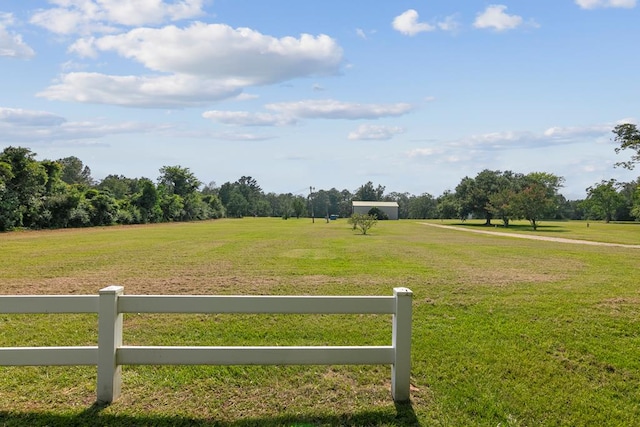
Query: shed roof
[376,203]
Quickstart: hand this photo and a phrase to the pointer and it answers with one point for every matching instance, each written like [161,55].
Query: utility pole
[311,190]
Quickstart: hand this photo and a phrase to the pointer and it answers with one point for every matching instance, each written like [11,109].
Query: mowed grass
[506,331]
[597,231]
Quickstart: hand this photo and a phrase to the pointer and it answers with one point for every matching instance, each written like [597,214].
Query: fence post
[401,368]
[109,339]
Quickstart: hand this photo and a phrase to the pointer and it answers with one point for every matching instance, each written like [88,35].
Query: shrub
[378,213]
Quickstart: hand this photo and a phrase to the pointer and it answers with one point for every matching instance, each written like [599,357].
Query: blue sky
[411,95]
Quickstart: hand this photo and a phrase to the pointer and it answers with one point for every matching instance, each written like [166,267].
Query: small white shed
[390,208]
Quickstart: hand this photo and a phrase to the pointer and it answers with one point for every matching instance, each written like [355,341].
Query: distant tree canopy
[369,193]
[62,193]
[75,172]
[508,195]
[603,200]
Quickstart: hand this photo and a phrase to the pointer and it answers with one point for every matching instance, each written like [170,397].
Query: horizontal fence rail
[255,304]
[110,354]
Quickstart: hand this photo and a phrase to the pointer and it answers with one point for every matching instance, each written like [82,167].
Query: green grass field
[506,331]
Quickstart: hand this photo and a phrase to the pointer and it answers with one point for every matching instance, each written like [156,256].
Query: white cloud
[332,109]
[11,44]
[242,56]
[204,63]
[570,133]
[595,4]
[103,16]
[494,17]
[407,23]
[244,118]
[360,33]
[450,23]
[21,117]
[553,136]
[425,152]
[135,91]
[19,125]
[374,132]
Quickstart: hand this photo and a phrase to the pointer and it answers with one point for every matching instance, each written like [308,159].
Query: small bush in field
[362,222]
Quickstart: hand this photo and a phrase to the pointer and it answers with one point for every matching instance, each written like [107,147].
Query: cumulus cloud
[105,16]
[11,44]
[332,109]
[595,4]
[407,23]
[196,65]
[242,55]
[494,17]
[244,118]
[375,132]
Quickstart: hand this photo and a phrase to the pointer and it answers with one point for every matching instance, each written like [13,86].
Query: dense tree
[120,186]
[628,136]
[603,200]
[422,207]
[179,196]
[237,205]
[147,201]
[474,194]
[533,203]
[75,172]
[54,194]
[102,207]
[569,209]
[628,191]
[635,209]
[252,202]
[210,188]
[8,201]
[178,180]
[298,205]
[447,206]
[319,204]
[369,193]
[252,193]
[402,199]
[286,205]
[336,200]
[345,203]
[24,186]
[216,209]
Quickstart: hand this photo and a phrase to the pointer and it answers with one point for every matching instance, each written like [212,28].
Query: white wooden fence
[109,355]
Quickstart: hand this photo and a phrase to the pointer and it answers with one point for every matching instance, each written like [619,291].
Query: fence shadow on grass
[93,416]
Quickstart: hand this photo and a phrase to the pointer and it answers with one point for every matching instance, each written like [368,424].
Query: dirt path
[532,237]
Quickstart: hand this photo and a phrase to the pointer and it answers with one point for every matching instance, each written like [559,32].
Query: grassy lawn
[596,231]
[508,332]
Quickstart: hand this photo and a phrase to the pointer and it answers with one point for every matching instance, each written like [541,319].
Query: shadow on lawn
[93,416]
[543,228]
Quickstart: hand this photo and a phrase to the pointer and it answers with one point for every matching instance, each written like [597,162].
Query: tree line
[61,193]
